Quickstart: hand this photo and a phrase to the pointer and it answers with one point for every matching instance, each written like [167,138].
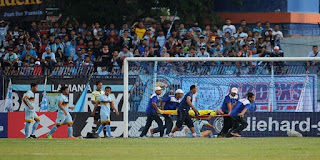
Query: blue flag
[8,102]
[82,99]
[44,102]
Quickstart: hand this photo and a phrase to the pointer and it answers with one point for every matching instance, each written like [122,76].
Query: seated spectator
[232,45]
[203,53]
[103,71]
[87,61]
[267,28]
[29,53]
[192,53]
[71,49]
[10,60]
[147,36]
[112,28]
[124,54]
[95,29]
[48,59]
[245,52]
[258,28]
[240,33]
[218,51]
[152,53]
[161,39]
[142,47]
[228,27]
[59,55]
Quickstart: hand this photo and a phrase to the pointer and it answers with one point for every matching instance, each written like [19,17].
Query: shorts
[183,117]
[30,116]
[105,118]
[62,119]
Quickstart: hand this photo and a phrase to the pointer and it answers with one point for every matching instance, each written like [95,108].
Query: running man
[30,113]
[169,103]
[63,116]
[229,102]
[152,112]
[183,112]
[105,100]
[237,114]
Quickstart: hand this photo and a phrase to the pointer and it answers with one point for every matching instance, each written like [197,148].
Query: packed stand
[71,48]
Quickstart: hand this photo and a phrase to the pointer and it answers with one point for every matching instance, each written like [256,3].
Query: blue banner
[3,125]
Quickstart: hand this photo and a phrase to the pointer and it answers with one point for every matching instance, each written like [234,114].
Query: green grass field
[161,148]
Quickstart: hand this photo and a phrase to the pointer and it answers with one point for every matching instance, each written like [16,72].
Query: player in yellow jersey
[94,100]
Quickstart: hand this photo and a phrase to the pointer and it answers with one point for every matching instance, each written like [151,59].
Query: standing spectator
[153,28]
[96,29]
[33,30]
[161,39]
[277,36]
[124,27]
[59,55]
[244,26]
[142,47]
[258,28]
[148,37]
[182,31]
[313,53]
[229,27]
[245,52]
[140,30]
[3,31]
[126,39]
[56,45]
[240,33]
[71,49]
[152,53]
[267,28]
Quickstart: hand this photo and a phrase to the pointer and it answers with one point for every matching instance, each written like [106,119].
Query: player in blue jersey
[30,113]
[63,116]
[229,102]
[183,112]
[152,113]
[105,101]
[237,114]
[169,103]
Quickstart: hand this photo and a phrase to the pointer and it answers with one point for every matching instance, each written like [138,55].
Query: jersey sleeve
[247,106]
[228,99]
[61,99]
[154,99]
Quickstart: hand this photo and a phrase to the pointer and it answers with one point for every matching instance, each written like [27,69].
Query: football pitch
[161,148]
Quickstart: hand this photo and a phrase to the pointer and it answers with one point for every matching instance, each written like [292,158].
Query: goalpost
[263,74]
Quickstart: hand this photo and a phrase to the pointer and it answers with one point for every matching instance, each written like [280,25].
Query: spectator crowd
[47,45]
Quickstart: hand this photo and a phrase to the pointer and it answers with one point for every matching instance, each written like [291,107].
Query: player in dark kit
[183,112]
[237,114]
[152,113]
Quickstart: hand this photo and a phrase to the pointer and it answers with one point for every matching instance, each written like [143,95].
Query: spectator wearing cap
[258,28]
[279,66]
[48,59]
[147,36]
[277,52]
[203,53]
[142,47]
[54,47]
[10,60]
[228,27]
[126,39]
[91,55]
[29,53]
[201,42]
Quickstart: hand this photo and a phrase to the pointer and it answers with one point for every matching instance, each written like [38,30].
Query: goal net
[285,90]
